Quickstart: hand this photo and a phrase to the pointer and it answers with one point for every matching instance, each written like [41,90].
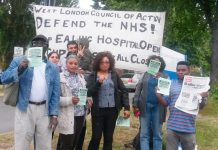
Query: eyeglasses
[39,43]
[105,62]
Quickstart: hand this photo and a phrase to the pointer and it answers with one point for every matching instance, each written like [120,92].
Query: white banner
[171,58]
[130,36]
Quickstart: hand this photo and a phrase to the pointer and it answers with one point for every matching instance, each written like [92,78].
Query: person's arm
[15,69]
[124,92]
[124,97]
[93,85]
[86,60]
[66,101]
[138,92]
[162,100]
[55,95]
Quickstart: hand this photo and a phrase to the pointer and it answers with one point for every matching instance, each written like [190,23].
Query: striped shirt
[178,120]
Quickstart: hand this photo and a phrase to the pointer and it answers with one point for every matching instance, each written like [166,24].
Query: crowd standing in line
[48,97]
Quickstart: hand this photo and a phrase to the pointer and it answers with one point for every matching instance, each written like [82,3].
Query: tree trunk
[214,61]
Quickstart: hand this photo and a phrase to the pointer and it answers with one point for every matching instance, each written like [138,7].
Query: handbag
[11,93]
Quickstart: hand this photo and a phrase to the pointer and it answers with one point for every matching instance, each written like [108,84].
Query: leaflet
[164,86]
[123,122]
[153,67]
[82,96]
[34,55]
[18,51]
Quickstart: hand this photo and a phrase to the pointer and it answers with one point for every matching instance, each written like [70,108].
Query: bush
[214,92]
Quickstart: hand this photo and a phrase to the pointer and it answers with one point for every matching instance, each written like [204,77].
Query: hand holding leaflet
[163,86]
[189,98]
[153,67]
[34,55]
[82,96]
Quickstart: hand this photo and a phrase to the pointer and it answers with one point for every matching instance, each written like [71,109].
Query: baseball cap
[40,37]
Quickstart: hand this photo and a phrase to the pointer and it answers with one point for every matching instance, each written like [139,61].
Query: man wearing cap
[38,99]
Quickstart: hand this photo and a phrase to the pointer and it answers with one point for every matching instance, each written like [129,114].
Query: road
[6,117]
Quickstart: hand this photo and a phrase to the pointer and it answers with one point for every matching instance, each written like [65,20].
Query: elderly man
[38,99]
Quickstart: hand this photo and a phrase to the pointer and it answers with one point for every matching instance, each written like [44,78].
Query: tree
[17,24]
[16,27]
[67,3]
[210,9]
[96,4]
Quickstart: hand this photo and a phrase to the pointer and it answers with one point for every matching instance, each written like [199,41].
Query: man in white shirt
[38,99]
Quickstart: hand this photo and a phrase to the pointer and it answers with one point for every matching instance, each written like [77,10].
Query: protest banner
[34,55]
[171,58]
[189,98]
[131,36]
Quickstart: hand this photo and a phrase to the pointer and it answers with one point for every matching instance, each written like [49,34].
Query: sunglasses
[39,43]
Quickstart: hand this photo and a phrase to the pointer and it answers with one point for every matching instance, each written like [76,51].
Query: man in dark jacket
[84,54]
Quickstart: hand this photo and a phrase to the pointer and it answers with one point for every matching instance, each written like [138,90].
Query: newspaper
[18,51]
[82,96]
[189,98]
[153,67]
[164,86]
[123,122]
[34,55]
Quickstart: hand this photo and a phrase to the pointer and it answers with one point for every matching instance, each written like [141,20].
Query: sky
[85,4]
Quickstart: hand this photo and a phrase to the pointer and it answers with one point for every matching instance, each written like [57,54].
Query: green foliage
[211,109]
[214,92]
[96,5]
[67,3]
[16,27]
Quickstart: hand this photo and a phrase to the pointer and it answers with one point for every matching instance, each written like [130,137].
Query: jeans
[150,120]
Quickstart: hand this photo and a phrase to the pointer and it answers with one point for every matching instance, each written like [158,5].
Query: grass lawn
[207,128]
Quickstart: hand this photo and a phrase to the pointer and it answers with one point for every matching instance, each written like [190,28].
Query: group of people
[152,109]
[48,97]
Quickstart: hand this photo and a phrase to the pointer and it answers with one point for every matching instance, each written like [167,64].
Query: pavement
[6,117]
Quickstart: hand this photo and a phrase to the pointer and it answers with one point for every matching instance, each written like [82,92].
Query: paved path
[6,117]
